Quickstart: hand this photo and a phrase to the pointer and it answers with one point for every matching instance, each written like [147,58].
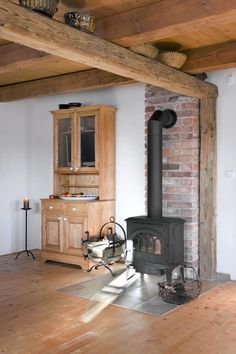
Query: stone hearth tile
[128,301]
[155,306]
[144,292]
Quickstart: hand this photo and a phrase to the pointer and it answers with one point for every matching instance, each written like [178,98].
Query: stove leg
[182,273]
[169,275]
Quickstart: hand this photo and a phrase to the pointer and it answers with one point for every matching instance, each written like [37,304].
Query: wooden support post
[207,246]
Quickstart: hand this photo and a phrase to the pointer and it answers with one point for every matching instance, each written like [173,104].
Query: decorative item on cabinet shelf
[80,21]
[45,7]
[53,196]
[78,196]
[69,105]
[81,186]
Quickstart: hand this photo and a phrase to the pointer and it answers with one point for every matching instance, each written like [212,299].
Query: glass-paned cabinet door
[87,141]
[63,142]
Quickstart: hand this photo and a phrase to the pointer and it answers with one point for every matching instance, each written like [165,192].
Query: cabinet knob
[74,209]
[59,218]
[71,168]
[77,169]
[65,219]
[51,207]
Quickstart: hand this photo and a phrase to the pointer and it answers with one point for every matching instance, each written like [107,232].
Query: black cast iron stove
[158,242]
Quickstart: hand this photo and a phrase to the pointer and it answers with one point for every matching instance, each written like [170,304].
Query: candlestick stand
[26,249]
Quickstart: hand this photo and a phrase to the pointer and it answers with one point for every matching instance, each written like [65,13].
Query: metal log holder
[26,247]
[104,250]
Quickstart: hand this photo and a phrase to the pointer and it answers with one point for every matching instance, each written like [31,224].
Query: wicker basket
[146,50]
[181,290]
[45,7]
[172,58]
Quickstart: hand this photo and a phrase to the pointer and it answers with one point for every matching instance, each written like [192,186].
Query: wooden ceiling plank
[80,81]
[211,58]
[14,53]
[164,19]
[50,36]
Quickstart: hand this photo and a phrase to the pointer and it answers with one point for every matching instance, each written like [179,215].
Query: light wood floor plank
[37,318]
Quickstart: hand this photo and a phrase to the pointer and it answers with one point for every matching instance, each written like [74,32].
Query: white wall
[26,156]
[226,170]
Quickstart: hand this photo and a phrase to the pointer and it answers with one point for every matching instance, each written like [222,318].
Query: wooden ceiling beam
[211,58]
[56,38]
[165,19]
[75,82]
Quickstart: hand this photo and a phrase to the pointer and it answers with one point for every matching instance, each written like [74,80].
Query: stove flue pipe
[159,119]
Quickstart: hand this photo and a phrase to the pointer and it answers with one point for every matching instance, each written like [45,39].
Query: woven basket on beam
[146,50]
[172,58]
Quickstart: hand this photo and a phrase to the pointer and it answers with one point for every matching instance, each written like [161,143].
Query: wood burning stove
[158,242]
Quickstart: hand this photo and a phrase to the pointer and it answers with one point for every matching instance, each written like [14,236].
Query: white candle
[26,203]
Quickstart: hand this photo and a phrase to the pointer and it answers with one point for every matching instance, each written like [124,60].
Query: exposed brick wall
[180,163]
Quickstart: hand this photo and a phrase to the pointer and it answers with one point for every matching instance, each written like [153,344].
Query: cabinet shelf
[80,186]
[86,171]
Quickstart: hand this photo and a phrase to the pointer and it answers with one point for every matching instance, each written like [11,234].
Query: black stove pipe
[158,120]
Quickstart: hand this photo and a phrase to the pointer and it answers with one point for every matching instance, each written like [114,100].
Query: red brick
[149,109]
[174,137]
[178,129]
[188,113]
[191,121]
[170,212]
[189,167]
[170,167]
[156,100]
[181,189]
[189,212]
[192,181]
[187,144]
[179,204]
[170,152]
[183,159]
[180,174]
[179,197]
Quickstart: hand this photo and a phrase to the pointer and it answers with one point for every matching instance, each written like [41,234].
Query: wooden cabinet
[84,151]
[64,226]
[84,162]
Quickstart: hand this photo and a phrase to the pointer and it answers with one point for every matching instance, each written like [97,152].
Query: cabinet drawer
[52,207]
[76,209]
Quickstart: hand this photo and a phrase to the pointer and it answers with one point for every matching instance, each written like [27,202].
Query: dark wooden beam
[49,36]
[165,19]
[75,82]
[211,58]
[208,188]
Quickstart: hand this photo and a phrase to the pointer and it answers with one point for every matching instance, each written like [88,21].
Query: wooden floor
[36,318]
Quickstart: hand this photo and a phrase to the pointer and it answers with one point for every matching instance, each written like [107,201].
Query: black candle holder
[26,248]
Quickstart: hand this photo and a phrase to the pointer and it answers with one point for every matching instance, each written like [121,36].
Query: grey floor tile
[155,306]
[143,292]
[127,301]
